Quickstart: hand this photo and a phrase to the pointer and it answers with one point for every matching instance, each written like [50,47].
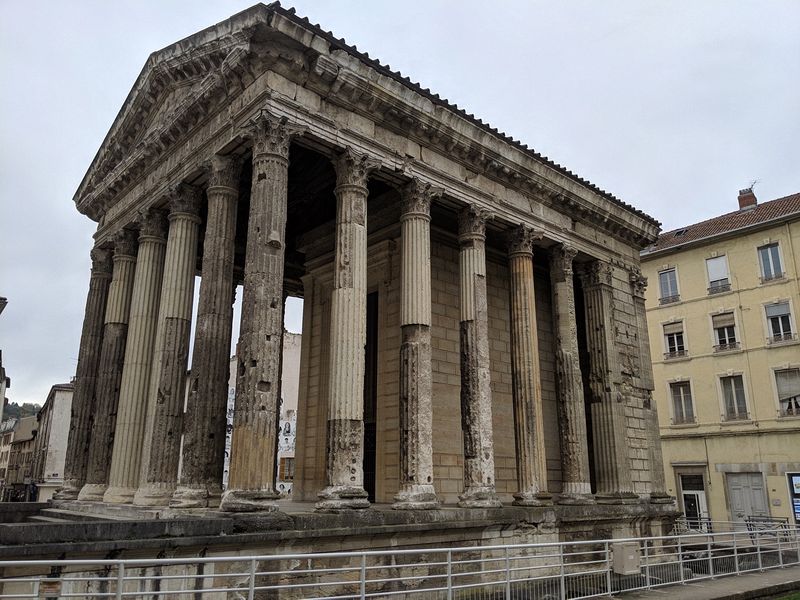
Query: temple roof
[165,64]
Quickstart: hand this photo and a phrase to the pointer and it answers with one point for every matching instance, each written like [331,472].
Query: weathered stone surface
[345,448]
[255,419]
[200,483]
[528,413]
[476,392]
[576,486]
[129,432]
[83,400]
[164,419]
[109,374]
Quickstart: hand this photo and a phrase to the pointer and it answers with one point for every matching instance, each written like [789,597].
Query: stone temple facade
[474,328]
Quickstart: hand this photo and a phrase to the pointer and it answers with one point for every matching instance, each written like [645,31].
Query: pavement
[775,583]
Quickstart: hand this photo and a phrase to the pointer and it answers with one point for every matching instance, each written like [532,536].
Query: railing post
[647,563]
[710,557]
[120,578]
[680,559]
[508,576]
[562,581]
[608,568]
[780,552]
[449,575]
[363,591]
[736,553]
[251,582]
[758,551]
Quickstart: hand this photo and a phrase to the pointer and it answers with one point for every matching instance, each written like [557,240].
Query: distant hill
[13,410]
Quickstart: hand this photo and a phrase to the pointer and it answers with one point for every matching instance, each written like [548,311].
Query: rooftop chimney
[747,199]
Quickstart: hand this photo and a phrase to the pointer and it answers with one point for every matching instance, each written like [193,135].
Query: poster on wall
[794,495]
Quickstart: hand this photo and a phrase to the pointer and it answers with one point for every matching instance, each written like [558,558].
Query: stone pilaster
[576,485]
[416,402]
[658,484]
[164,419]
[83,400]
[526,377]
[476,393]
[135,384]
[109,373]
[345,448]
[251,483]
[200,483]
[607,402]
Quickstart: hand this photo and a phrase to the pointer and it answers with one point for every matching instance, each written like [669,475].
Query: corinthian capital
[185,198]
[472,222]
[596,273]
[638,283]
[101,262]
[224,171]
[417,197]
[152,223]
[353,168]
[520,240]
[561,257]
[272,134]
[125,243]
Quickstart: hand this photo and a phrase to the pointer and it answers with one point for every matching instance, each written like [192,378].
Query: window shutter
[673,328]
[717,268]
[788,382]
[778,310]
[723,320]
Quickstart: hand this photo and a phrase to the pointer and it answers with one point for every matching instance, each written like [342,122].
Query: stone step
[46,519]
[73,515]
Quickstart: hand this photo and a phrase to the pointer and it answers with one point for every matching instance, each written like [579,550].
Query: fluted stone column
[576,485]
[525,372]
[476,392]
[200,482]
[129,432]
[164,419]
[109,373]
[345,449]
[80,425]
[251,482]
[416,401]
[607,402]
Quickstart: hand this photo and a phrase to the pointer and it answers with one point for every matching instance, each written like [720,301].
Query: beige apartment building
[722,315]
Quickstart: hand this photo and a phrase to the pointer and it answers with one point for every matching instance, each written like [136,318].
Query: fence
[546,571]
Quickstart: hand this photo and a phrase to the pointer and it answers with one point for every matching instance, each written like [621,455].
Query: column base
[195,497]
[416,497]
[69,491]
[532,499]
[119,495]
[153,495]
[575,499]
[249,501]
[616,498]
[93,492]
[342,497]
[479,497]
[661,498]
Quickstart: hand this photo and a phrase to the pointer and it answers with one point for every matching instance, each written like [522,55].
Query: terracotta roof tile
[762,213]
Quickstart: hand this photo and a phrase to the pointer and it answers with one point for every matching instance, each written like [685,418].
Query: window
[733,396]
[770,261]
[682,409]
[788,383]
[718,275]
[724,332]
[286,469]
[780,325]
[668,286]
[673,340]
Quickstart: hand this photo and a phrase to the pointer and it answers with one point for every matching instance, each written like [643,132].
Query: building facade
[50,449]
[474,327]
[722,316]
[20,485]
[6,437]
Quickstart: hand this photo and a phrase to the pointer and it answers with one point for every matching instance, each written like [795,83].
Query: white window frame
[676,353]
[768,322]
[681,382]
[722,284]
[775,370]
[775,276]
[677,294]
[715,342]
[723,407]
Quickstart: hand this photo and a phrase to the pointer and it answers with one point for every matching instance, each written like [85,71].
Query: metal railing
[564,571]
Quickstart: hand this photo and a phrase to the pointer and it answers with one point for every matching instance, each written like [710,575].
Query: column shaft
[251,483]
[345,449]
[416,409]
[525,371]
[200,482]
[476,393]
[576,485]
[129,432]
[109,372]
[80,426]
[608,407]
[164,420]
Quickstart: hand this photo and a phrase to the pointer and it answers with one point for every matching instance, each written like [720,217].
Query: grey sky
[672,106]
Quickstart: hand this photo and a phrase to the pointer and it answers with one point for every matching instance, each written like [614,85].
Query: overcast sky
[673,106]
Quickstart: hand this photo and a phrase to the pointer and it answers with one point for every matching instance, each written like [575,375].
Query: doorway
[747,496]
[370,395]
[695,506]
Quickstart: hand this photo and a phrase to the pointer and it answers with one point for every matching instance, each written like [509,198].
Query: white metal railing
[558,570]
